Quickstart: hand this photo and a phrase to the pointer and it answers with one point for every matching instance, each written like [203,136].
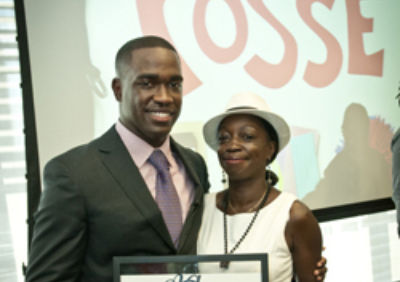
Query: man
[100,200]
[396,171]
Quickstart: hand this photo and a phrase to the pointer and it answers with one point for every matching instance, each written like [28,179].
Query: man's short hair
[124,54]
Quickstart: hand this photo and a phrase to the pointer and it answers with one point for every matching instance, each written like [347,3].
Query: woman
[252,216]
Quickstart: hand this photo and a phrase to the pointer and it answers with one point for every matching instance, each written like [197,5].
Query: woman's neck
[243,195]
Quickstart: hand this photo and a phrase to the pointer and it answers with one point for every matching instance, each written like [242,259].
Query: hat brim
[210,129]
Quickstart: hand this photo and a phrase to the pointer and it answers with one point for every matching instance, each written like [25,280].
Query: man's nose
[162,94]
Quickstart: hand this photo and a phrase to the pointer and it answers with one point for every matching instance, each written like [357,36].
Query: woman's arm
[304,239]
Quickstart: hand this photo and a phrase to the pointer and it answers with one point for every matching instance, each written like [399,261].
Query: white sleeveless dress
[266,236]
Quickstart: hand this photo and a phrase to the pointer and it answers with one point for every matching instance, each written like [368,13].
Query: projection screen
[330,68]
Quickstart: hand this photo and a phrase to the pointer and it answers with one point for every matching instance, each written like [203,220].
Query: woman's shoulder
[300,213]
[282,197]
[302,225]
[288,195]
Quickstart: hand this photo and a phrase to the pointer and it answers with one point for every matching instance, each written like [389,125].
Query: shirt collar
[139,149]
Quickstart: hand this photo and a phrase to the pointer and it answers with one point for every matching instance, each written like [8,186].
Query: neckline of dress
[247,214]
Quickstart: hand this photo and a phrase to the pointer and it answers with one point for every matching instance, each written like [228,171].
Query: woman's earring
[223,177]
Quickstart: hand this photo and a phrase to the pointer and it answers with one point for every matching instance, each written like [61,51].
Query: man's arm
[59,236]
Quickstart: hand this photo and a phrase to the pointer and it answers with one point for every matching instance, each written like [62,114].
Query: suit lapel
[189,166]
[198,190]
[118,162]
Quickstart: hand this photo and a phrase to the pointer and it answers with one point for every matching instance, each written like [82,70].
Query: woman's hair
[273,136]
[271,177]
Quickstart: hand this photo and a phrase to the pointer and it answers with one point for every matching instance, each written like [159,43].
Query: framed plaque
[192,268]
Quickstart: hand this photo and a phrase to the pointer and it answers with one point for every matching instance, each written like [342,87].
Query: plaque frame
[181,264]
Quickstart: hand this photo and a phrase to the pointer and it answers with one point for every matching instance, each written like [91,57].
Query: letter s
[273,75]
[321,75]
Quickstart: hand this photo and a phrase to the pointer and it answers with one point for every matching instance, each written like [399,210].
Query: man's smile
[161,116]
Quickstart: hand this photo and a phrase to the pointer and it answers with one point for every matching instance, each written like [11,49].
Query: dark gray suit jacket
[396,174]
[95,205]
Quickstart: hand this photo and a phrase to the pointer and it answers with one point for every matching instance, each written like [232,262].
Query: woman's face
[244,147]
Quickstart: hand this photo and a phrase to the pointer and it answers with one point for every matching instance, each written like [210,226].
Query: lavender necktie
[166,195]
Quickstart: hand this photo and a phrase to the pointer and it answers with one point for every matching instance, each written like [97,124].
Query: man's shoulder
[182,149]
[396,140]
[189,156]
[82,151]
[397,133]
[74,157]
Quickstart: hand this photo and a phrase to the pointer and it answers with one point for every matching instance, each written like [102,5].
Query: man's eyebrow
[157,77]
[147,76]
[176,78]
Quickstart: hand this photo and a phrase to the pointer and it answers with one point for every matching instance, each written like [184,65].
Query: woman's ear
[271,146]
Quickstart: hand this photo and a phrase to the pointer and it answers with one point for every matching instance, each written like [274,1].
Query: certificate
[192,268]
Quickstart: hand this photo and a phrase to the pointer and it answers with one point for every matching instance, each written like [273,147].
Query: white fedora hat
[251,104]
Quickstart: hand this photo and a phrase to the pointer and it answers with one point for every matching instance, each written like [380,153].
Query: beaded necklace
[253,208]
[225,264]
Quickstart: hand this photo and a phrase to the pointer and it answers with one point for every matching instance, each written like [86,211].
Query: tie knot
[159,161]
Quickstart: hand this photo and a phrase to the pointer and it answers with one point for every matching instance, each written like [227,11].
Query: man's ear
[117,88]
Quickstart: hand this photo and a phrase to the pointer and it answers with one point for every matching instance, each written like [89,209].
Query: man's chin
[158,135]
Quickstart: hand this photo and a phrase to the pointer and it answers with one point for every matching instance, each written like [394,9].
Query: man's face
[150,93]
